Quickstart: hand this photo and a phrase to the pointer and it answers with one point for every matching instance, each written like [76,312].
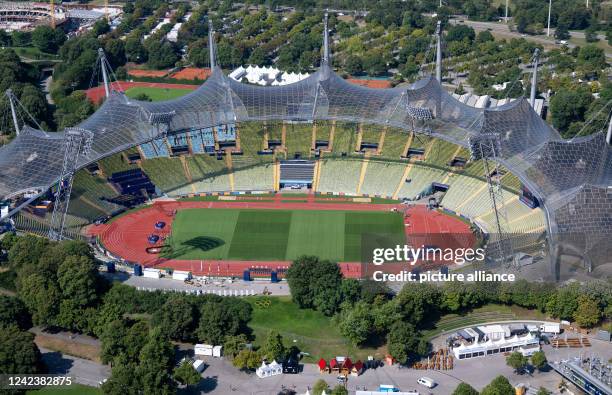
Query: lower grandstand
[237,165]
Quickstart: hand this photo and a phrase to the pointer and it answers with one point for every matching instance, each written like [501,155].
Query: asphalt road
[81,370]
[215,286]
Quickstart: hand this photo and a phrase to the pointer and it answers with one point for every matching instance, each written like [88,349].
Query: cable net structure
[571,178]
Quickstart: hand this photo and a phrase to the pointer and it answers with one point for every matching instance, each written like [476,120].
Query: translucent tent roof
[557,171]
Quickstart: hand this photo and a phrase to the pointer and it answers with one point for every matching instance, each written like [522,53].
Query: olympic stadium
[501,174]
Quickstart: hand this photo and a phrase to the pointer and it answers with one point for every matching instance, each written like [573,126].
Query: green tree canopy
[516,361]
[465,389]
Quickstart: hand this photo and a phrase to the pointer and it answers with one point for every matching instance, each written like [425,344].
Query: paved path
[257,286]
[83,371]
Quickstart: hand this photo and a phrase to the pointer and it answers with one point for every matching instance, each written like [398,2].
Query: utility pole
[549,10]
[439,52]
[11,97]
[534,79]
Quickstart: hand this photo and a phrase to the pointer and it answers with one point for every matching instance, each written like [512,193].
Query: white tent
[269,370]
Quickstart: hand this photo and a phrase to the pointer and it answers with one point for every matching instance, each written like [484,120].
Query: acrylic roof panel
[557,171]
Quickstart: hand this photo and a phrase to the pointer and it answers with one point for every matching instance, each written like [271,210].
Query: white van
[427,382]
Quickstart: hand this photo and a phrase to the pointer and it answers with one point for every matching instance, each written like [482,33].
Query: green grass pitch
[157,94]
[277,235]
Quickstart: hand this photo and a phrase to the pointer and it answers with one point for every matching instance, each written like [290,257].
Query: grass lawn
[157,94]
[488,313]
[34,53]
[74,389]
[309,330]
[278,235]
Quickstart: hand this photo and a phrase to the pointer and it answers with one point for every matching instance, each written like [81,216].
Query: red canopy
[322,364]
[358,365]
[347,363]
[333,363]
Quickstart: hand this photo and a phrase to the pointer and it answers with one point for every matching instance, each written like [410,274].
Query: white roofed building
[266,76]
[526,345]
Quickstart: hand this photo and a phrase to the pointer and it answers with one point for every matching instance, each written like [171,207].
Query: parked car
[427,382]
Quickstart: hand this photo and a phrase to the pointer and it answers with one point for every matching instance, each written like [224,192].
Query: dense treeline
[367,313]
[58,286]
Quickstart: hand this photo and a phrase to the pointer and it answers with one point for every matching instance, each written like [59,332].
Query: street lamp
[506,11]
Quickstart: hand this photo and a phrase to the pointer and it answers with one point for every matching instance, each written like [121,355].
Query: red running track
[126,236]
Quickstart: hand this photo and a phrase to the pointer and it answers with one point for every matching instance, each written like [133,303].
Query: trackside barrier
[224,292]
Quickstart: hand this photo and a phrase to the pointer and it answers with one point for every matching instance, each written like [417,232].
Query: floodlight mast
[534,79]
[439,52]
[11,98]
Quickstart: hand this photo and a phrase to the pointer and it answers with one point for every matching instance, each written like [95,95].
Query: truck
[550,327]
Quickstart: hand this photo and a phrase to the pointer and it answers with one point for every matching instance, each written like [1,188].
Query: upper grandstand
[570,179]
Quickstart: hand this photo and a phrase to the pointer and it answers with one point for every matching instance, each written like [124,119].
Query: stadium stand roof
[570,177]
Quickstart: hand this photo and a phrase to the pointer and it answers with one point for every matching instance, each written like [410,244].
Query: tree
[339,390]
[499,386]
[374,64]
[247,359]
[161,54]
[18,353]
[77,280]
[319,387]
[258,56]
[465,389]
[234,344]
[353,65]
[122,380]
[516,361]
[460,33]
[460,89]
[41,296]
[274,348]
[538,360]
[569,106]
[14,312]
[356,324]
[403,342]
[484,36]
[186,374]
[48,39]
[135,51]
[591,58]
[315,283]
[562,31]
[590,34]
[142,97]
[588,312]
[177,318]
[156,363]
[222,317]
[418,303]
[73,109]
[21,39]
